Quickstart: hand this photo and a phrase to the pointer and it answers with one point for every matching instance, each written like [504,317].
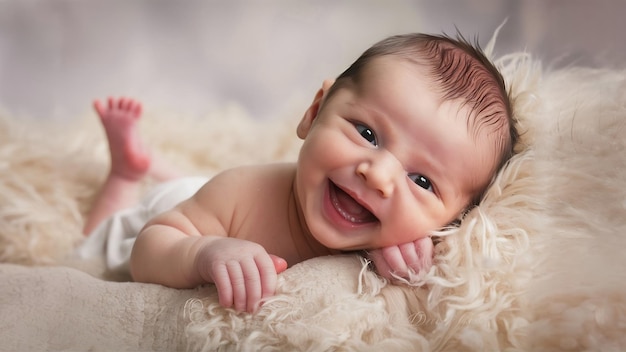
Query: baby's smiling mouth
[348,207]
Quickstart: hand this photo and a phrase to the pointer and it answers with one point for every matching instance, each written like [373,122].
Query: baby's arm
[397,260]
[189,246]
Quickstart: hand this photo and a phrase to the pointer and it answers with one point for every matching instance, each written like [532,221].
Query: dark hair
[463,72]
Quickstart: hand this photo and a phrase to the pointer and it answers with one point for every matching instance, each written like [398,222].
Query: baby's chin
[346,246]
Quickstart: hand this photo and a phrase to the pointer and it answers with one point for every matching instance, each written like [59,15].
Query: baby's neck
[306,244]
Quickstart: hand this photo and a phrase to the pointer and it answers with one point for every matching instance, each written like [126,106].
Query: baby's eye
[422,182]
[367,133]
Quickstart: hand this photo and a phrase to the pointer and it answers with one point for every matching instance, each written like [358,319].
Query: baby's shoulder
[248,178]
[255,173]
[246,183]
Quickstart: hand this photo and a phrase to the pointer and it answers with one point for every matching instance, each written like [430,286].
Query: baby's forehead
[459,108]
[416,69]
[465,83]
[422,74]
[471,88]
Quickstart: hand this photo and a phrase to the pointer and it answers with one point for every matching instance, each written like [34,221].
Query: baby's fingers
[222,281]
[238,276]
[395,260]
[411,258]
[252,282]
[238,285]
[381,266]
[425,250]
[280,264]
[267,266]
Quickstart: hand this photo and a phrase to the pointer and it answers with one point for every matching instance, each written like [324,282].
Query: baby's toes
[123,104]
[100,109]
[135,109]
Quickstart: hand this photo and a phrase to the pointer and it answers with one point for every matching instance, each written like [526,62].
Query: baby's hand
[242,271]
[416,255]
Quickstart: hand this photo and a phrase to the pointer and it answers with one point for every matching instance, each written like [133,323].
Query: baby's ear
[311,113]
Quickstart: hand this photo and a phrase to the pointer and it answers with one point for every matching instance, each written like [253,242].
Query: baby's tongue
[349,208]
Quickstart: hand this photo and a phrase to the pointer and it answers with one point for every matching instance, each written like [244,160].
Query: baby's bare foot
[129,158]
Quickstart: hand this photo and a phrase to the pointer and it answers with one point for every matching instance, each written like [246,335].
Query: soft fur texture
[537,266]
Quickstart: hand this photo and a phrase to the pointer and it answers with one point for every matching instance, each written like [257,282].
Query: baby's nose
[381,173]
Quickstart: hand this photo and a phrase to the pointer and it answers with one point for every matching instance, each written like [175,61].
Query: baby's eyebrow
[427,166]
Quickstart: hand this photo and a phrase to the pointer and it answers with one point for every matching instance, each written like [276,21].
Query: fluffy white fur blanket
[537,266]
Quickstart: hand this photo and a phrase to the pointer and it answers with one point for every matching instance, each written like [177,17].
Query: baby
[399,145]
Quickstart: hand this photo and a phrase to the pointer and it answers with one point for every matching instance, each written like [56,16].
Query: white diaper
[114,238]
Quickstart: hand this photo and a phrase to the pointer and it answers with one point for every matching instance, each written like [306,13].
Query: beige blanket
[539,265]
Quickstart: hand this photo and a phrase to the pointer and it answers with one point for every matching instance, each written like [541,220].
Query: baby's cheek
[416,227]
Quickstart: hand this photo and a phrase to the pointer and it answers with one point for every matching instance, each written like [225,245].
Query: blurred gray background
[189,56]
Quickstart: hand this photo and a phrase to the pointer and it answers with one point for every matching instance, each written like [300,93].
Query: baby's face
[386,162]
